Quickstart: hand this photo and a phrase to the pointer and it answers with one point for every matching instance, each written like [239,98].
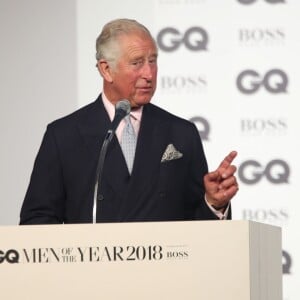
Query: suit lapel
[150,144]
[93,127]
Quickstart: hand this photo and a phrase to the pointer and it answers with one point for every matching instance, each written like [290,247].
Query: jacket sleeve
[44,200]
[197,206]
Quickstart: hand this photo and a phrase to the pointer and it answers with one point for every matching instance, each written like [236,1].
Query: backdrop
[229,66]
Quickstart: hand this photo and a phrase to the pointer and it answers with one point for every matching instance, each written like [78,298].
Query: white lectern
[207,260]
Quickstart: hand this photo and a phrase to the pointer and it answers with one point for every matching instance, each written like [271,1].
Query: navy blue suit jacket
[62,182]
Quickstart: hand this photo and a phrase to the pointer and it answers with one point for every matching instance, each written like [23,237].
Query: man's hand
[221,185]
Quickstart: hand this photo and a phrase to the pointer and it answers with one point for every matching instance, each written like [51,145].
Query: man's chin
[140,102]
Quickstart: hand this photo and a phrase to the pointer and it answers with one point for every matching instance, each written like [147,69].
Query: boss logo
[177,255]
[268,1]
[272,215]
[11,256]
[186,83]
[203,127]
[170,39]
[276,171]
[274,81]
[258,35]
[264,126]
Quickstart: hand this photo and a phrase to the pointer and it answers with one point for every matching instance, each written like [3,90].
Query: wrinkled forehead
[138,40]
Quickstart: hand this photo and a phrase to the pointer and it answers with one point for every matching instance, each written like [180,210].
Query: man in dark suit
[169,178]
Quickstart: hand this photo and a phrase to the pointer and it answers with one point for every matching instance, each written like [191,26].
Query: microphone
[122,109]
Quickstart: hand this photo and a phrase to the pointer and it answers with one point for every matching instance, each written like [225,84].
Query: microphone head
[123,106]
[122,109]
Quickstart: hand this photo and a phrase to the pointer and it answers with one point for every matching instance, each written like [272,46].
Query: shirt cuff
[219,214]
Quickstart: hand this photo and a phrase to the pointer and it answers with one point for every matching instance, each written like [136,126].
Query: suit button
[100,197]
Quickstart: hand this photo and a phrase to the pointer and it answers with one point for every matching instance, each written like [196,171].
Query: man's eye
[137,62]
[152,61]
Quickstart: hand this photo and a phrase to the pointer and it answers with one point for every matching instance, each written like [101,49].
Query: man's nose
[147,71]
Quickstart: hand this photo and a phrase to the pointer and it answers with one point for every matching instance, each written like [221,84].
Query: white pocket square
[171,153]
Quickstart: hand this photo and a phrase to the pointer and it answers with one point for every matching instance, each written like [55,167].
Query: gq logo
[268,1]
[11,256]
[203,127]
[286,262]
[195,38]
[274,81]
[276,171]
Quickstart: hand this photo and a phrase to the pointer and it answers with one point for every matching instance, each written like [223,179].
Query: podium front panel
[209,260]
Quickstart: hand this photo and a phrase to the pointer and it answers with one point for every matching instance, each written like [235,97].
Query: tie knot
[128,125]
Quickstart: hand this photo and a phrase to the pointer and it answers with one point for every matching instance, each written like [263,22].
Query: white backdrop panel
[256,38]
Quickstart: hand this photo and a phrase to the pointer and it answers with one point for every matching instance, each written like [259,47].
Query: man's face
[134,77]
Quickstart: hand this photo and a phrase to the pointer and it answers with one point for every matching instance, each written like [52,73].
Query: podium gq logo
[274,81]
[11,256]
[170,39]
[268,1]
[276,171]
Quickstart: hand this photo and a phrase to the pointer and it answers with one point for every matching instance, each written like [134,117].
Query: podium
[207,260]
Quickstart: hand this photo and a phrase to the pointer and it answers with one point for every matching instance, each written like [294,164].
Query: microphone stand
[122,109]
[97,195]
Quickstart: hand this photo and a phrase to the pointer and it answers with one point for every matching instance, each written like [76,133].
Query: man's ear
[105,70]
